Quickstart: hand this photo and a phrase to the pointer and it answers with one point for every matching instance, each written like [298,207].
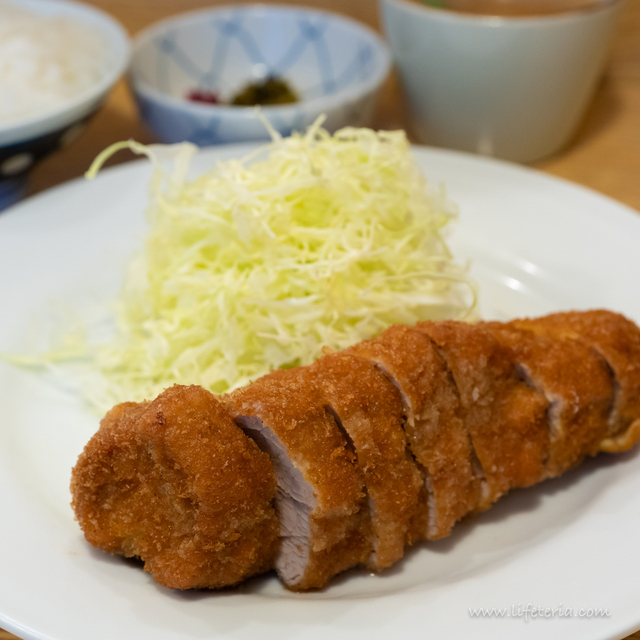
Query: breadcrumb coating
[176,483]
[345,462]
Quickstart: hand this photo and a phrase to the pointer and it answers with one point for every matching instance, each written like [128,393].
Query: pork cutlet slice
[369,409]
[578,385]
[175,482]
[617,340]
[325,525]
[437,437]
[505,417]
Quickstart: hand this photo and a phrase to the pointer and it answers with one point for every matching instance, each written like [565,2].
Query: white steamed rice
[45,62]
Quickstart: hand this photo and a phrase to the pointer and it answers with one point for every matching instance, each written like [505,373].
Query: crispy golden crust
[522,412]
[578,385]
[291,407]
[436,434]
[369,408]
[175,482]
[484,407]
[499,410]
[617,340]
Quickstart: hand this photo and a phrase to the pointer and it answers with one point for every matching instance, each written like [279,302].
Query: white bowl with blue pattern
[334,64]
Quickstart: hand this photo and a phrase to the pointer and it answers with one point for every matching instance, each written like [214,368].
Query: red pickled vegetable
[201,95]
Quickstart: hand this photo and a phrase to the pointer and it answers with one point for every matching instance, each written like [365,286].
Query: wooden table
[605,154]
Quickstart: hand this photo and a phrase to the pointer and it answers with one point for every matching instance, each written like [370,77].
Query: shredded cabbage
[313,241]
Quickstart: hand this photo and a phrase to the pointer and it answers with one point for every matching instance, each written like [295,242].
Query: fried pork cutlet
[325,524]
[437,436]
[178,484]
[308,470]
[578,385]
[506,419]
[617,340]
[369,409]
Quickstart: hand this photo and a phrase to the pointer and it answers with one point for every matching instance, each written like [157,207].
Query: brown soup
[513,7]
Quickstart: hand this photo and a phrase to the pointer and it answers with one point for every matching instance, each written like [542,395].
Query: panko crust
[578,384]
[175,482]
[617,340]
[288,404]
[369,409]
[437,436]
[491,392]
[182,482]
[292,408]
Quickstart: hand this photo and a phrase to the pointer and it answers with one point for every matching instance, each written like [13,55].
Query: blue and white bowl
[334,64]
[25,142]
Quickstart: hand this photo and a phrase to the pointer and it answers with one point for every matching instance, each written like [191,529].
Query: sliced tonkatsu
[318,469]
[176,483]
[325,523]
[617,340]
[578,385]
[369,409]
[505,417]
[437,436]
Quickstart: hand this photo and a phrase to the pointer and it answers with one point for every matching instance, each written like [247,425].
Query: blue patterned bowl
[336,65]
[25,142]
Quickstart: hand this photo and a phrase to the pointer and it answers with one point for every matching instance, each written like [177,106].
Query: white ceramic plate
[537,245]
